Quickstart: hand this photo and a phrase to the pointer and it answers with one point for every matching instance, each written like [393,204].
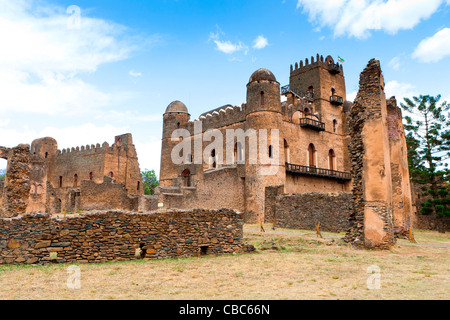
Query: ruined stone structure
[42,178]
[325,145]
[107,236]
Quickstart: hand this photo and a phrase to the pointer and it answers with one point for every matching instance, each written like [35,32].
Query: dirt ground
[288,265]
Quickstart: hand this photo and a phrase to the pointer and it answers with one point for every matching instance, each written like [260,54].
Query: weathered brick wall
[270,200]
[118,236]
[304,211]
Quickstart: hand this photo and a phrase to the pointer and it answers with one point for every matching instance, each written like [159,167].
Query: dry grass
[289,264]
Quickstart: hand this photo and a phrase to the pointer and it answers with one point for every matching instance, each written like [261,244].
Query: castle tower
[322,82]
[45,148]
[175,117]
[263,112]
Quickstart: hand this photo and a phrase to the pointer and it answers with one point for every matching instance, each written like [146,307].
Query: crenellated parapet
[308,64]
[219,117]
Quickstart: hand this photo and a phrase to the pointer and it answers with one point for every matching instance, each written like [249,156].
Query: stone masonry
[117,236]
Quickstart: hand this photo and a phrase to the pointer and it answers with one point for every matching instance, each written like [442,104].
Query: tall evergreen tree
[428,139]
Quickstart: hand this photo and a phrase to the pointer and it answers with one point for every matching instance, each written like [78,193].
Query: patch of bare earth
[288,264]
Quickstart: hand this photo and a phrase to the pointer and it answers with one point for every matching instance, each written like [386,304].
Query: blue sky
[85,71]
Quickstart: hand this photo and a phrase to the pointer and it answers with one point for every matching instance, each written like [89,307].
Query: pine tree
[428,140]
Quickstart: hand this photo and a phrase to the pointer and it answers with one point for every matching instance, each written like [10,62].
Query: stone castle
[328,148]
[81,178]
[325,160]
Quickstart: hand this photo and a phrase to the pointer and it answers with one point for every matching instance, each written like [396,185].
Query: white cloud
[226,47]
[400,90]
[395,63]
[357,18]
[260,43]
[434,48]
[135,74]
[42,60]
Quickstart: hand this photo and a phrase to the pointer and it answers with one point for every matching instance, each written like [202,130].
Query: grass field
[288,264]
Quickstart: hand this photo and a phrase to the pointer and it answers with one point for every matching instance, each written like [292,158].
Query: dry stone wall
[117,236]
[305,211]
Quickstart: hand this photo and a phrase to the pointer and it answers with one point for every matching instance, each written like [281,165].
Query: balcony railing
[334,68]
[288,89]
[337,100]
[318,172]
[312,124]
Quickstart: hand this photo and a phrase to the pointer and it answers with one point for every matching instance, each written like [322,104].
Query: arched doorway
[332,160]
[75,180]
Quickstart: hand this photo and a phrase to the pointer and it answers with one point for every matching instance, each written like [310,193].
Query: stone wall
[270,201]
[304,211]
[17,186]
[118,236]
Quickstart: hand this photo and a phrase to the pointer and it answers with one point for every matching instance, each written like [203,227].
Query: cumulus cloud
[45,53]
[358,18]
[260,43]
[400,90]
[434,48]
[226,46]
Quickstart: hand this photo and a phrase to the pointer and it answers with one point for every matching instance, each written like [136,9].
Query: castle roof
[177,107]
[262,74]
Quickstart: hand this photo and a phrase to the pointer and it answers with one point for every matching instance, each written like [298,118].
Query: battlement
[90,150]
[319,61]
[220,117]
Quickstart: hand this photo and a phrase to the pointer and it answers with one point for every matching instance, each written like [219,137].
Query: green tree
[428,139]
[149,181]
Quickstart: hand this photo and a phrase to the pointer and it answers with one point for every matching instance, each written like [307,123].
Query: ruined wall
[403,213]
[371,220]
[118,236]
[304,211]
[105,196]
[67,168]
[17,182]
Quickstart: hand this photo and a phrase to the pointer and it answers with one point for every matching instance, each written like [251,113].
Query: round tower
[263,112]
[46,148]
[175,117]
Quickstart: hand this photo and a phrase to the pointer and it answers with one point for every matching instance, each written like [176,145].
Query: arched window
[213,159]
[91,176]
[333,91]
[111,174]
[287,155]
[312,155]
[75,180]
[60,181]
[138,186]
[310,89]
[46,155]
[238,153]
[271,152]
[334,125]
[262,98]
[306,111]
[332,160]
[186,176]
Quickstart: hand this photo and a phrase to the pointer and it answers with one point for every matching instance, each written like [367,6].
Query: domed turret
[262,75]
[177,107]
